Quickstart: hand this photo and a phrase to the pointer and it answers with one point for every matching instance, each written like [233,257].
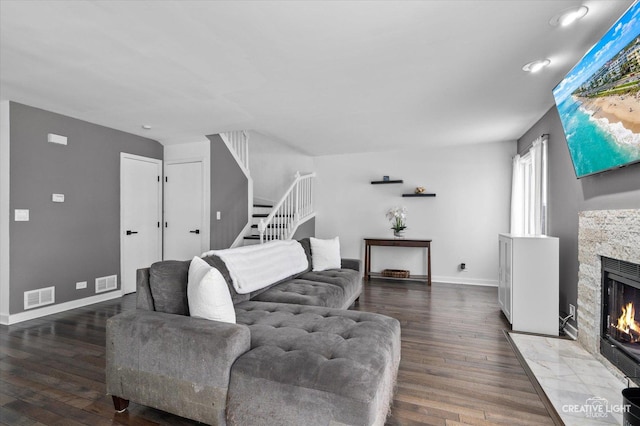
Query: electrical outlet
[463,267]
[81,285]
[572,311]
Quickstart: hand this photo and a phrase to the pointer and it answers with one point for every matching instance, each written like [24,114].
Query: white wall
[273,165]
[187,150]
[4,210]
[472,184]
[196,151]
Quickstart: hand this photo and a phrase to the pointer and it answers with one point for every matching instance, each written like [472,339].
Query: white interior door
[183,209]
[140,216]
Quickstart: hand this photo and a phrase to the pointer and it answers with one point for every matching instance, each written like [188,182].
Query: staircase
[294,208]
[269,222]
[281,221]
[260,212]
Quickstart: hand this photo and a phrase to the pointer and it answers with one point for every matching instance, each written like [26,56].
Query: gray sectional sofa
[295,355]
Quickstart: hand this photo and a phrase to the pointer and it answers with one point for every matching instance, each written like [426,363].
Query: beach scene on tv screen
[599,100]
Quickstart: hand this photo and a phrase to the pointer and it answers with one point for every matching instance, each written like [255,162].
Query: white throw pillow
[325,254]
[208,294]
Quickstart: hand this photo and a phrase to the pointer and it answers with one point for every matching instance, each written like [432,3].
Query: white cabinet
[504,274]
[528,290]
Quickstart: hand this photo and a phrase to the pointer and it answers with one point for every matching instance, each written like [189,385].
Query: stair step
[266,215]
[257,237]
[273,225]
[265,206]
[261,210]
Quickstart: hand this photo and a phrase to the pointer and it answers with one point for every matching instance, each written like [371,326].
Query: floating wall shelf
[378,182]
[382,182]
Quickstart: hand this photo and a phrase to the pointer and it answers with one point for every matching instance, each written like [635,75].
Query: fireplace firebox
[620,324]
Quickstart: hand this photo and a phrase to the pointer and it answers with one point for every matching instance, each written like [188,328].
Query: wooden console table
[390,242]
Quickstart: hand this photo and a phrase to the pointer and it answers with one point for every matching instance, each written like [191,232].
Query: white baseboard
[466,281]
[61,307]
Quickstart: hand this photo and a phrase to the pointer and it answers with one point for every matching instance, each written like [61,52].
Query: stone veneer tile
[610,233]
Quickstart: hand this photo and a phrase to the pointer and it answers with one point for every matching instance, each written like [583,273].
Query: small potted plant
[398,218]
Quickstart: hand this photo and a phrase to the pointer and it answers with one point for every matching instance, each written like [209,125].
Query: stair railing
[295,208]
[238,142]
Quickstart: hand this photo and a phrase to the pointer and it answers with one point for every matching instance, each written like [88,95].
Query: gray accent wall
[229,195]
[74,241]
[616,189]
[307,229]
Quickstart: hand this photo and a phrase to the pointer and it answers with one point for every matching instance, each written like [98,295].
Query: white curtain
[529,191]
[517,197]
[538,204]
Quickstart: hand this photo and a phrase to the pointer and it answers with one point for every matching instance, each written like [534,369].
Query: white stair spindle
[295,207]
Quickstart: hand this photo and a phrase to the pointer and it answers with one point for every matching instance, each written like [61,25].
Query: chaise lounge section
[294,356]
[313,366]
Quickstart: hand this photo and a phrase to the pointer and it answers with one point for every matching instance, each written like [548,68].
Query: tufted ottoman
[313,366]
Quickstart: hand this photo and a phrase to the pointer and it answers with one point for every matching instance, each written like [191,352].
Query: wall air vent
[106,283]
[39,297]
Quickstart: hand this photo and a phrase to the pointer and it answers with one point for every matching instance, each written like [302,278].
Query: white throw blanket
[255,267]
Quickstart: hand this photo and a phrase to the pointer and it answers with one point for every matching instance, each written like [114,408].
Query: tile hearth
[571,378]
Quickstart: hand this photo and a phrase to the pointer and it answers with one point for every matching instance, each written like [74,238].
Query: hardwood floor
[457,367]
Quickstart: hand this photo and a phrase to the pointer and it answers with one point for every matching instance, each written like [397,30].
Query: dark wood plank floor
[457,367]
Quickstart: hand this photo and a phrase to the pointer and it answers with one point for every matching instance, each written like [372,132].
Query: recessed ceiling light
[146,126]
[536,66]
[568,16]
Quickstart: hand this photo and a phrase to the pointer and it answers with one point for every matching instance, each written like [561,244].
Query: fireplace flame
[627,323]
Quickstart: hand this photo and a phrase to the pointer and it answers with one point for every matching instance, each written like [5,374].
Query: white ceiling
[327,77]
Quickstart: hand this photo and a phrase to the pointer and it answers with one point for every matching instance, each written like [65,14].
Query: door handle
[197,231]
[131,232]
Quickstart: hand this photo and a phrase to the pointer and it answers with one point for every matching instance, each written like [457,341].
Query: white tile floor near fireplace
[572,379]
[569,371]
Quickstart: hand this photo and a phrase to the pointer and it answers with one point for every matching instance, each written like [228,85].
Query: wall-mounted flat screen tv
[599,100]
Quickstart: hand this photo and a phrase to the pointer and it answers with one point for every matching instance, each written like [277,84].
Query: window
[529,191]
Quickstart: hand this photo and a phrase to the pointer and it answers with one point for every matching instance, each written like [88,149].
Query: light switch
[217,215]
[21,215]
[57,198]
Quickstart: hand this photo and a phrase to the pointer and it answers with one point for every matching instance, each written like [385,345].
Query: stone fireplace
[613,234]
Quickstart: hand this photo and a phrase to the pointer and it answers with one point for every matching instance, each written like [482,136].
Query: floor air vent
[106,283]
[39,297]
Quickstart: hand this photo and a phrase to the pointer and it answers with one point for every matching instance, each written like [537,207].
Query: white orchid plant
[398,218]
